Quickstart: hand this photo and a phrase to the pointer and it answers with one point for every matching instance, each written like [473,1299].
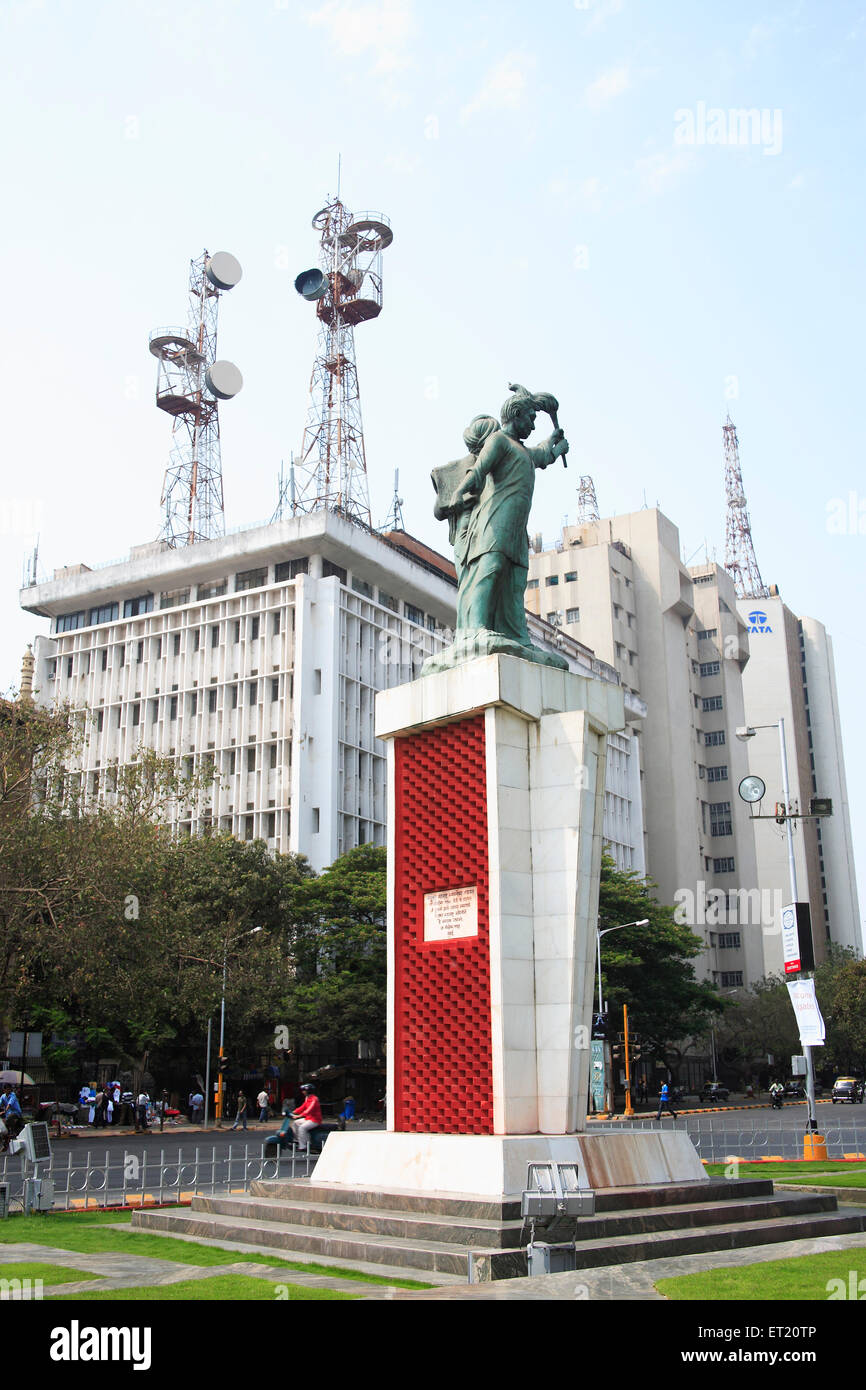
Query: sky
[573,205]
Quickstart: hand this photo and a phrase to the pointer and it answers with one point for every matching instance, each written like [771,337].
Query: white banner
[809,1020]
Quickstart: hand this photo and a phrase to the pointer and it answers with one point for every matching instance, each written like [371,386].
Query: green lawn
[86,1233]
[222,1288]
[804,1278]
[49,1274]
[827,1172]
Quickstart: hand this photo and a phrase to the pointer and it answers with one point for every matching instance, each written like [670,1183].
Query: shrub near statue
[487,505]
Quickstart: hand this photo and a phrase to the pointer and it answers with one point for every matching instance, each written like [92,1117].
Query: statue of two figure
[486,498]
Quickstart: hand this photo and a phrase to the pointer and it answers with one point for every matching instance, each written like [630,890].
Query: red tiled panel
[443,1063]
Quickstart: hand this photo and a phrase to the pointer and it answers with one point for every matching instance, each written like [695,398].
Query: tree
[337,936]
[649,968]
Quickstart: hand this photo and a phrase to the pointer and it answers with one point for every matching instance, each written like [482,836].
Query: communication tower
[587,504]
[740,560]
[190,383]
[347,290]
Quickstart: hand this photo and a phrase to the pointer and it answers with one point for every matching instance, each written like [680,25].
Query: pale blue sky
[548,227]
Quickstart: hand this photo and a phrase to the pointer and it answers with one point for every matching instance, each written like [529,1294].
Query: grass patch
[835,1171]
[222,1288]
[803,1278]
[49,1274]
[85,1233]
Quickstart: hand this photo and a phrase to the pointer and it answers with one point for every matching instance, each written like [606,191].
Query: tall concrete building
[791,676]
[676,639]
[260,654]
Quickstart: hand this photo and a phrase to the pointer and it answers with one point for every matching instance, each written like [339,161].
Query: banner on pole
[809,1020]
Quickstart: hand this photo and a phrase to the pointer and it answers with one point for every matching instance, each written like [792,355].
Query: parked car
[795,1090]
[848,1088]
[714,1090]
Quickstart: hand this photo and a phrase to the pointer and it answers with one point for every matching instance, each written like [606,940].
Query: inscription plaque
[451,914]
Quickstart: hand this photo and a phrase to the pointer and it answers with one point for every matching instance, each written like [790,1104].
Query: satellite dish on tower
[223,270]
[223,379]
[312,284]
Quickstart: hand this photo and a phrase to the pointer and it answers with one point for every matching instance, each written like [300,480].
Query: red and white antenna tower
[332,470]
[190,383]
[740,560]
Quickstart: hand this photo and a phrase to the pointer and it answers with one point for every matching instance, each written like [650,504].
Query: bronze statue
[487,502]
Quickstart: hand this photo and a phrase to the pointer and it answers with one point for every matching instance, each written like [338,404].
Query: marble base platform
[494,1165]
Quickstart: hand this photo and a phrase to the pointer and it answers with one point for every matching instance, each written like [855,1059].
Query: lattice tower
[740,560]
[190,384]
[587,504]
[332,470]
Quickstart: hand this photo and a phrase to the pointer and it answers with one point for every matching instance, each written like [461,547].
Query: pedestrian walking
[665,1102]
[241,1116]
[141,1111]
[263,1102]
[197,1111]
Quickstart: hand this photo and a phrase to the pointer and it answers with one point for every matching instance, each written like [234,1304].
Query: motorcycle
[777,1100]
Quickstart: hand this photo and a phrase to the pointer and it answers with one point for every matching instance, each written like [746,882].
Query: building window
[211,590]
[571,577]
[710,668]
[715,739]
[176,644]
[717,774]
[136,714]
[731,978]
[214,637]
[211,701]
[553,617]
[236,633]
[272,825]
[275,687]
[251,760]
[533,584]
[121,655]
[702,771]
[230,763]
[362,587]
[154,711]
[193,702]
[720,818]
[139,652]
[724,866]
[714,702]
[729,940]
[156,648]
[249,831]
[317,682]
[106,613]
[288,569]
[250,579]
[413,614]
[68,622]
[572,615]
[252,692]
[134,607]
[708,632]
[551,579]
[104,660]
[315,820]
[172,707]
[254,628]
[388,601]
[337,571]
[272,749]
[196,639]
[99,721]
[174,599]
[275,623]
[233,697]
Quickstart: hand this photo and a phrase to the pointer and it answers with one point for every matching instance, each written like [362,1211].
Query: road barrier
[119,1179]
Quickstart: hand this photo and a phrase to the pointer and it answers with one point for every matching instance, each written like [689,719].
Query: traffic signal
[223,1064]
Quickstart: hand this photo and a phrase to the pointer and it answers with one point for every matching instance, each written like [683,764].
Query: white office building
[260,654]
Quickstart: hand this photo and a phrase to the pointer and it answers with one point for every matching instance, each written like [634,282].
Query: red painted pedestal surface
[442,1043]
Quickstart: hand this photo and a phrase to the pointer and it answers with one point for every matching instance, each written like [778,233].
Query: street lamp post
[744,734]
[220,1081]
[599,933]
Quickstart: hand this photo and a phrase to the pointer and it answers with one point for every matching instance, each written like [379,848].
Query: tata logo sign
[758,621]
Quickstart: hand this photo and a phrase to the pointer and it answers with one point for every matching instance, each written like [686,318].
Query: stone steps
[438,1234]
